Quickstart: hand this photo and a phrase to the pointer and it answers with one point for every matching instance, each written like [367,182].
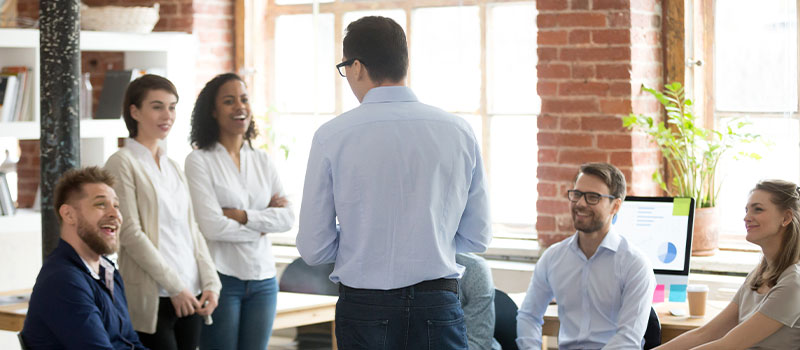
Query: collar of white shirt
[140,150]
[611,242]
[218,147]
[91,271]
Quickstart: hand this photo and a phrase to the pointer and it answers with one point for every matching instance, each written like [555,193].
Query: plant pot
[705,239]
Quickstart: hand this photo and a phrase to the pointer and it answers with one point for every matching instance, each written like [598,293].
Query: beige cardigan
[140,263]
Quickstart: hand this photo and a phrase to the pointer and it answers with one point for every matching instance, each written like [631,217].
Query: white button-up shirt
[241,251]
[603,302]
[175,241]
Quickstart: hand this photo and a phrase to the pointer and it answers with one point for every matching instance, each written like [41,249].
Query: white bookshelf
[173,53]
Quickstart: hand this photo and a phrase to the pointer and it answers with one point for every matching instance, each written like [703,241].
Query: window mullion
[483,109]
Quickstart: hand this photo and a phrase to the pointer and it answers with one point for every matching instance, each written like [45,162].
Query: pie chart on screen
[667,252]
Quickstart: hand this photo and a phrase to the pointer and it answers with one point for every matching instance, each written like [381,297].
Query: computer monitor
[661,227]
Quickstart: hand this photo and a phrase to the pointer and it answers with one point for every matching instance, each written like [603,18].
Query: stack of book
[16,94]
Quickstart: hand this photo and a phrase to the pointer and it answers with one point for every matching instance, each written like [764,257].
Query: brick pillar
[593,57]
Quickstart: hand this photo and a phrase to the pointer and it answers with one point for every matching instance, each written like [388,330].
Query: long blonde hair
[786,196]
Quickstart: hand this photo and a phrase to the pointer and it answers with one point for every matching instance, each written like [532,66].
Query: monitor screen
[661,227]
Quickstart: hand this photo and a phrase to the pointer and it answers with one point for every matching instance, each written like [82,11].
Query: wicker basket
[136,19]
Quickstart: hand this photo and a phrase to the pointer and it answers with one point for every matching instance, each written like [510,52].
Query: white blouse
[175,241]
[241,251]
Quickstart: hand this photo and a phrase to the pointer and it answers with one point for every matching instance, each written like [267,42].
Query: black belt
[441,284]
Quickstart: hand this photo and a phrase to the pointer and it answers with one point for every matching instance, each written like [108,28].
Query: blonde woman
[765,313]
[170,277]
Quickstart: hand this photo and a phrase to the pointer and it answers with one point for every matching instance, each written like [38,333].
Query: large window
[475,58]
[756,78]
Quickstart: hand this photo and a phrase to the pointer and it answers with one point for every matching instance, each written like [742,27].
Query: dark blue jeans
[399,319]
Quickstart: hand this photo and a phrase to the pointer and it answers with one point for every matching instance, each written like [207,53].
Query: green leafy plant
[692,152]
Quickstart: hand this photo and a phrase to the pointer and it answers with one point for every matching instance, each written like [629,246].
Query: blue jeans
[243,319]
[399,319]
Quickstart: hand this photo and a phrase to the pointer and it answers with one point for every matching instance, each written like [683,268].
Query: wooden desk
[671,326]
[12,316]
[297,309]
[293,309]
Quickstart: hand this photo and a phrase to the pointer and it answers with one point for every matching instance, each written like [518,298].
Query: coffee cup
[697,295]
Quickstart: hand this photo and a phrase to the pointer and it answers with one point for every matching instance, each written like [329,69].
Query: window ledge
[500,248]
[726,262]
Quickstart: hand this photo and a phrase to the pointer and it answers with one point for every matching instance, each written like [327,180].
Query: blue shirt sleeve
[317,238]
[530,316]
[474,234]
[637,297]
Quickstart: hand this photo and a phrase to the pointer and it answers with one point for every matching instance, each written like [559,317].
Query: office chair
[652,335]
[505,324]
[299,277]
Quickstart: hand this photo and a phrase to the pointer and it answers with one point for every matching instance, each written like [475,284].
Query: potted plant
[692,154]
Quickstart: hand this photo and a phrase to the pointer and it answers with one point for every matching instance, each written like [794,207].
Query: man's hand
[185,303]
[237,215]
[207,308]
[278,202]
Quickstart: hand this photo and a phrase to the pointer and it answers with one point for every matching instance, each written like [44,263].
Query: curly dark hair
[205,130]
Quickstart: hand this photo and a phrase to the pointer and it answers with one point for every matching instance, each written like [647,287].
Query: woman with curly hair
[169,275]
[238,200]
[765,313]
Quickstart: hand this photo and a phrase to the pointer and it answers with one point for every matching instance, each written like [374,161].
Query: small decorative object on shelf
[86,96]
[136,19]
[6,202]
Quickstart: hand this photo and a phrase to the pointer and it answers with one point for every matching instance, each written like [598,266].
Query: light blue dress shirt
[603,302]
[405,181]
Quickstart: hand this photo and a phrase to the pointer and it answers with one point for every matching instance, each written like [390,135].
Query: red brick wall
[210,20]
[96,64]
[27,173]
[593,57]
[214,27]
[174,15]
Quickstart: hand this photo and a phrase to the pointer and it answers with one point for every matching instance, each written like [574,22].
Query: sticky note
[677,292]
[681,206]
[658,295]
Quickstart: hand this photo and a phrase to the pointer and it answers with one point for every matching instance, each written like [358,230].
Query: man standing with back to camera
[405,181]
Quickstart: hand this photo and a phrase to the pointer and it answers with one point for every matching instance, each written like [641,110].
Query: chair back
[21,342]
[299,277]
[652,335]
[505,324]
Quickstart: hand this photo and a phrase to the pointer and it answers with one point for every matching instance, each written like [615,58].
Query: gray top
[476,292]
[781,303]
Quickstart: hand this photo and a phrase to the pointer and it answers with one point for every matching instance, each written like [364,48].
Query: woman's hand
[278,202]
[185,303]
[208,302]
[237,215]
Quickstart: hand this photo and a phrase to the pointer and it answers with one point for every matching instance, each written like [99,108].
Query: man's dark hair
[136,92]
[205,130]
[70,184]
[611,176]
[379,43]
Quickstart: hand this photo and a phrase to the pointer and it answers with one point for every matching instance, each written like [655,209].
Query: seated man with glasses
[602,284]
